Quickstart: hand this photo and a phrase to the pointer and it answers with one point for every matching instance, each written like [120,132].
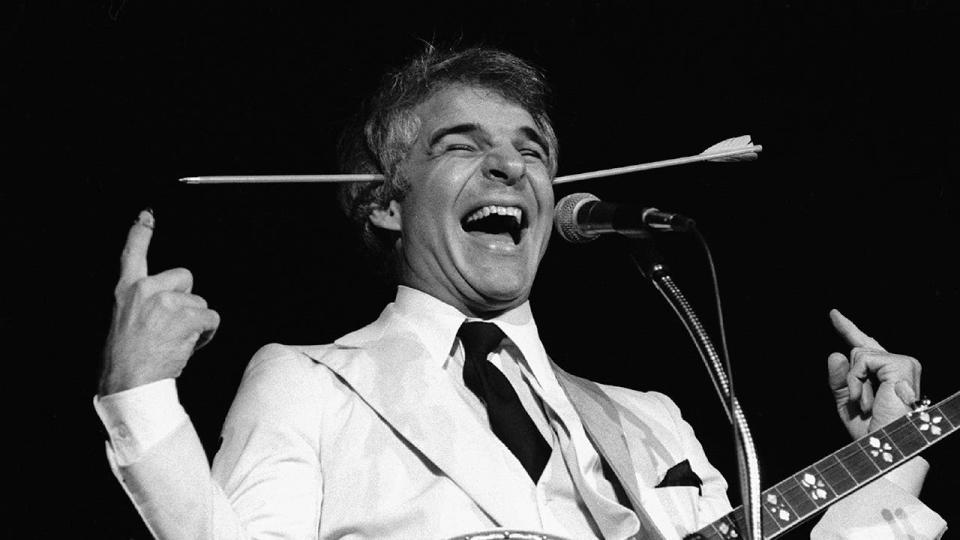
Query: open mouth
[506,221]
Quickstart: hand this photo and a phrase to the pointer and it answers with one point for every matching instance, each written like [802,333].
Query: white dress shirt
[523,360]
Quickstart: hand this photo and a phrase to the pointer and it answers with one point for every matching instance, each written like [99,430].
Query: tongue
[503,227]
[503,237]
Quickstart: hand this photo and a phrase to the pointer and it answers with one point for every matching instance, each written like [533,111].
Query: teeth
[499,210]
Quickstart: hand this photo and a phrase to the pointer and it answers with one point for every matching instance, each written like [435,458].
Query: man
[411,427]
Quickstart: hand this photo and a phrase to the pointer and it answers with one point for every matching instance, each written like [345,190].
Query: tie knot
[480,338]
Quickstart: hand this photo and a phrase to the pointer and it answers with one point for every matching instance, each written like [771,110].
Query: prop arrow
[734,149]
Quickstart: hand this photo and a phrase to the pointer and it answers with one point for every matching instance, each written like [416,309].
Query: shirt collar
[436,324]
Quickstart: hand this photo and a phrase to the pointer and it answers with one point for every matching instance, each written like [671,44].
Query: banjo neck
[813,489]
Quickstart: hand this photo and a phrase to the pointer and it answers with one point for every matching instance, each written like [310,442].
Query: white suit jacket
[361,439]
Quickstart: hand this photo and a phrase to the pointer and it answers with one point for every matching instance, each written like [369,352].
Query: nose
[504,164]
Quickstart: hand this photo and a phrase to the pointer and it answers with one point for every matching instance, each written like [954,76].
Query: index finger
[851,334]
[133,260]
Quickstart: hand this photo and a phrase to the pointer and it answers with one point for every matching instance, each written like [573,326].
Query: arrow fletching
[735,143]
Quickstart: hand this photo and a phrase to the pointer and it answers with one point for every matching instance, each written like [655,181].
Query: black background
[852,204]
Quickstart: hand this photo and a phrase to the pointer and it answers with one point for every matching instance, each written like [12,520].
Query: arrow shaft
[321,178]
[282,178]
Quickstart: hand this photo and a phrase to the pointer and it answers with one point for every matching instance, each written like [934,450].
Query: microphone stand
[650,263]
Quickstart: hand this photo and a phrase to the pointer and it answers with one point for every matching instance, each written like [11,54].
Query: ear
[387,218]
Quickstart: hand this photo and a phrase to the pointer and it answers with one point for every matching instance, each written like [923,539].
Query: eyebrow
[457,129]
[473,127]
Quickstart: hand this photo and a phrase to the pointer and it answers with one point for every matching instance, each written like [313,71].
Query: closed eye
[533,153]
[460,147]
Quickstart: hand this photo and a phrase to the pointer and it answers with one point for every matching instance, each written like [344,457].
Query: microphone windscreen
[565,218]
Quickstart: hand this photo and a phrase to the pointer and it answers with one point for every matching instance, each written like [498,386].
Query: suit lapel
[382,363]
[601,421]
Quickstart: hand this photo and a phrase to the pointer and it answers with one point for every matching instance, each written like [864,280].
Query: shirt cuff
[139,418]
[910,476]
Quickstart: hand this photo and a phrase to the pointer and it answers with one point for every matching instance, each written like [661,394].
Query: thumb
[837,368]
[905,392]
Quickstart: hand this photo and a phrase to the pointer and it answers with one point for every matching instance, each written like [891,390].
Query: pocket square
[681,475]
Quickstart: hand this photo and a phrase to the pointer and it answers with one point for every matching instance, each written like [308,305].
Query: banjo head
[503,534]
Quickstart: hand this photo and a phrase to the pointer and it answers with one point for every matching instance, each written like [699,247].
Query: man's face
[477,217]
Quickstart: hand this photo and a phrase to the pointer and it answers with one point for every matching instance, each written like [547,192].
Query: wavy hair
[381,136]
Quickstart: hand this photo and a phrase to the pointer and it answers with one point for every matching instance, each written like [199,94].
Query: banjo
[814,488]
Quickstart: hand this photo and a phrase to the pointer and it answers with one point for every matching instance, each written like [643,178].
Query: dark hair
[380,138]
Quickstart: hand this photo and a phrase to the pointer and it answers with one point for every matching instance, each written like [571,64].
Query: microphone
[582,217]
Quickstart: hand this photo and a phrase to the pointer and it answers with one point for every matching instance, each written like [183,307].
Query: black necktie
[508,419]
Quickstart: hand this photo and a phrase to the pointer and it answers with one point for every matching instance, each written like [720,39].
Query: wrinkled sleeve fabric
[265,481]
[886,509]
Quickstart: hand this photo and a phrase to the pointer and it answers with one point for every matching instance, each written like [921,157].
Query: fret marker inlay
[814,487]
[778,508]
[881,449]
[926,422]
[727,531]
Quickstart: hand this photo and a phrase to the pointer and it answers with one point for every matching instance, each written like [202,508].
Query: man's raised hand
[157,321]
[871,386]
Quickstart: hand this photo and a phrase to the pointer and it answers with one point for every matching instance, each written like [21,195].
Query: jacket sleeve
[265,481]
